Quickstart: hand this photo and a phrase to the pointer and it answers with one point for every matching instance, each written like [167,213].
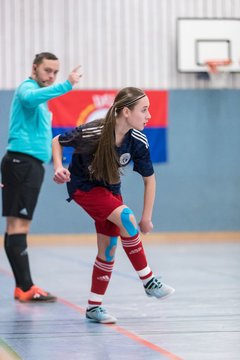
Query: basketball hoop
[216,74]
[213,65]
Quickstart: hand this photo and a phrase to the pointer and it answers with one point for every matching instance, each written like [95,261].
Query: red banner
[80,106]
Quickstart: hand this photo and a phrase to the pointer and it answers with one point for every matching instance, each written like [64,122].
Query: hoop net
[217,75]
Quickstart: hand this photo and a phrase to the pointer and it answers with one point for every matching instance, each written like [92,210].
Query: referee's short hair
[44,55]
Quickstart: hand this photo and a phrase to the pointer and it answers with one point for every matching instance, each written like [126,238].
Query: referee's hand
[75,76]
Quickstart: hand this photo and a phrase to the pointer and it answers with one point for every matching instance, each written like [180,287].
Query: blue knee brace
[127,223]
[113,243]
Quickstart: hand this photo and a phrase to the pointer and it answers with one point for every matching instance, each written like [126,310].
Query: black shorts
[22,177]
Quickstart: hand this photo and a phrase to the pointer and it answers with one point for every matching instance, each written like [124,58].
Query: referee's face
[45,73]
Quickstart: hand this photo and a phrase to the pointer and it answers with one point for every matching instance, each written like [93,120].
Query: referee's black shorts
[22,177]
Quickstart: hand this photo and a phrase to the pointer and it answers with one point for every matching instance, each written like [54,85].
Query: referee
[29,146]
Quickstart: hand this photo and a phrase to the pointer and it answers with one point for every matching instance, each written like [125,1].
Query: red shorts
[99,203]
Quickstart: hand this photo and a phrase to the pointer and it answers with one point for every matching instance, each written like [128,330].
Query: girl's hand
[61,175]
[145,226]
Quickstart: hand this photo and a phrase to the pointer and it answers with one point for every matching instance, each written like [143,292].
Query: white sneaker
[158,289]
[99,314]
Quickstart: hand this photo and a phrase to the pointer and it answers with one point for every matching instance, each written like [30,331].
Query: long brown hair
[105,164]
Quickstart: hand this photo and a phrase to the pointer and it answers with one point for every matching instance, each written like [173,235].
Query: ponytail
[105,165]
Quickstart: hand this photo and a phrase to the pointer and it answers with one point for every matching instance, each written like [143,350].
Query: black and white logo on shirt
[125,158]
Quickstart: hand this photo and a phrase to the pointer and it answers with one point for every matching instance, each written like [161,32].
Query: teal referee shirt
[30,130]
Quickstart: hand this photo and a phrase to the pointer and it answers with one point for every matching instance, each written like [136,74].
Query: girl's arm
[145,223]
[61,174]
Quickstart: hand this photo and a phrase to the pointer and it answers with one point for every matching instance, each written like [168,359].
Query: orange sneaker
[34,294]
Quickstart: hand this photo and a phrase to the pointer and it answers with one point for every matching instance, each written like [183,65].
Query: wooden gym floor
[201,321]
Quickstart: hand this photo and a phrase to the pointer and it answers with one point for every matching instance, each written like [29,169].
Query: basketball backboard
[200,40]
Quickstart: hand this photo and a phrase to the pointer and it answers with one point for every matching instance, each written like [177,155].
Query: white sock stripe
[130,239]
[144,271]
[95,297]
[107,266]
[131,243]
[104,263]
[104,267]
[130,246]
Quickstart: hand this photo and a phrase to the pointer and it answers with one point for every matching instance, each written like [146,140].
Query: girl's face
[138,117]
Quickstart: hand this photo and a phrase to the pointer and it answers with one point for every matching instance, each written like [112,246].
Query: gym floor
[200,321]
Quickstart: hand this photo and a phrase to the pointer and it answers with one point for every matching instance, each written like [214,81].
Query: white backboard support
[203,40]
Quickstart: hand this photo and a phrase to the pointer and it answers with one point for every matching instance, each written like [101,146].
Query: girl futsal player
[102,147]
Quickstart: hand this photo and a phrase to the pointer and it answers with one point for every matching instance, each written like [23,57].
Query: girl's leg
[101,275]
[102,269]
[124,218]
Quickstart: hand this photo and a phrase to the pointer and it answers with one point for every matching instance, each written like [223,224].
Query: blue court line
[90,265]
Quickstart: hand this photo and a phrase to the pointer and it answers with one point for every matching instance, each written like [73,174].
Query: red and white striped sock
[135,252]
[101,275]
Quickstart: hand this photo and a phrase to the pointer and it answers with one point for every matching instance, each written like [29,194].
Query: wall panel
[118,42]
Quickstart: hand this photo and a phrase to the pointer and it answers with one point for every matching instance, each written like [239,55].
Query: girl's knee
[128,222]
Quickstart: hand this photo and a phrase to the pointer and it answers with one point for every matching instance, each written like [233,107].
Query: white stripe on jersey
[92,128]
[92,131]
[65,141]
[140,136]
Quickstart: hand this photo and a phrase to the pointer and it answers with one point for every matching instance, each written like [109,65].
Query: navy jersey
[134,147]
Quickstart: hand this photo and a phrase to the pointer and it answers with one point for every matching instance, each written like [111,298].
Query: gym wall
[133,42]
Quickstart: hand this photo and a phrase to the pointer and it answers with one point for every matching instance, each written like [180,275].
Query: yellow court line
[151,239]
[7,353]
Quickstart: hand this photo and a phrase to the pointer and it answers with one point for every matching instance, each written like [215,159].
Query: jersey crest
[124,159]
